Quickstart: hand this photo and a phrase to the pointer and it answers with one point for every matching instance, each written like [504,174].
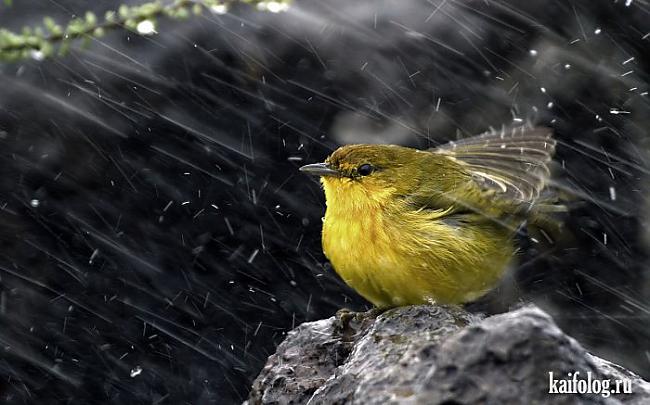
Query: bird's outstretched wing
[513,162]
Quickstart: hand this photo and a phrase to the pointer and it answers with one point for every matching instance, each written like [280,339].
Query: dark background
[157,241]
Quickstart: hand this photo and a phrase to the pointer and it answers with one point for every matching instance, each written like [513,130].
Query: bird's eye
[365,169]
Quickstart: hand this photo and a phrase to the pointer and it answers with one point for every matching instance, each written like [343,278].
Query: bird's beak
[319,169]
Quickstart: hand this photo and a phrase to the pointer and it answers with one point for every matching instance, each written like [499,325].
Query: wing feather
[513,162]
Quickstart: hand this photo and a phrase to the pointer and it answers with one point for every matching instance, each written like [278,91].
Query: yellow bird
[406,226]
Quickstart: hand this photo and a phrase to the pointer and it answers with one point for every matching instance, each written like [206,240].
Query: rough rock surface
[433,355]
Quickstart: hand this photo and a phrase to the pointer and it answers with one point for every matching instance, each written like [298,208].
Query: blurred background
[157,241]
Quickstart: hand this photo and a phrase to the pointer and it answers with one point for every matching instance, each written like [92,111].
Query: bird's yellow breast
[393,255]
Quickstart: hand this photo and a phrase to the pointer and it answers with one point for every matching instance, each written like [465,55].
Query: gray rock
[435,355]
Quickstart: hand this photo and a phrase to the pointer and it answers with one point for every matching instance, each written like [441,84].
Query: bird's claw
[342,319]
[346,320]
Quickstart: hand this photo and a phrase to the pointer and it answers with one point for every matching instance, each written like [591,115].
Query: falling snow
[135,372]
[158,241]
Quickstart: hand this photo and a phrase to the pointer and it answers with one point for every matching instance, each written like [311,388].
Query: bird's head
[358,175]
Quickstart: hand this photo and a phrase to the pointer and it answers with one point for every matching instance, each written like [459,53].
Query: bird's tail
[546,220]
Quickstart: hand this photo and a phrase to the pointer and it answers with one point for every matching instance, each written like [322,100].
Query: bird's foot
[348,322]
[342,319]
